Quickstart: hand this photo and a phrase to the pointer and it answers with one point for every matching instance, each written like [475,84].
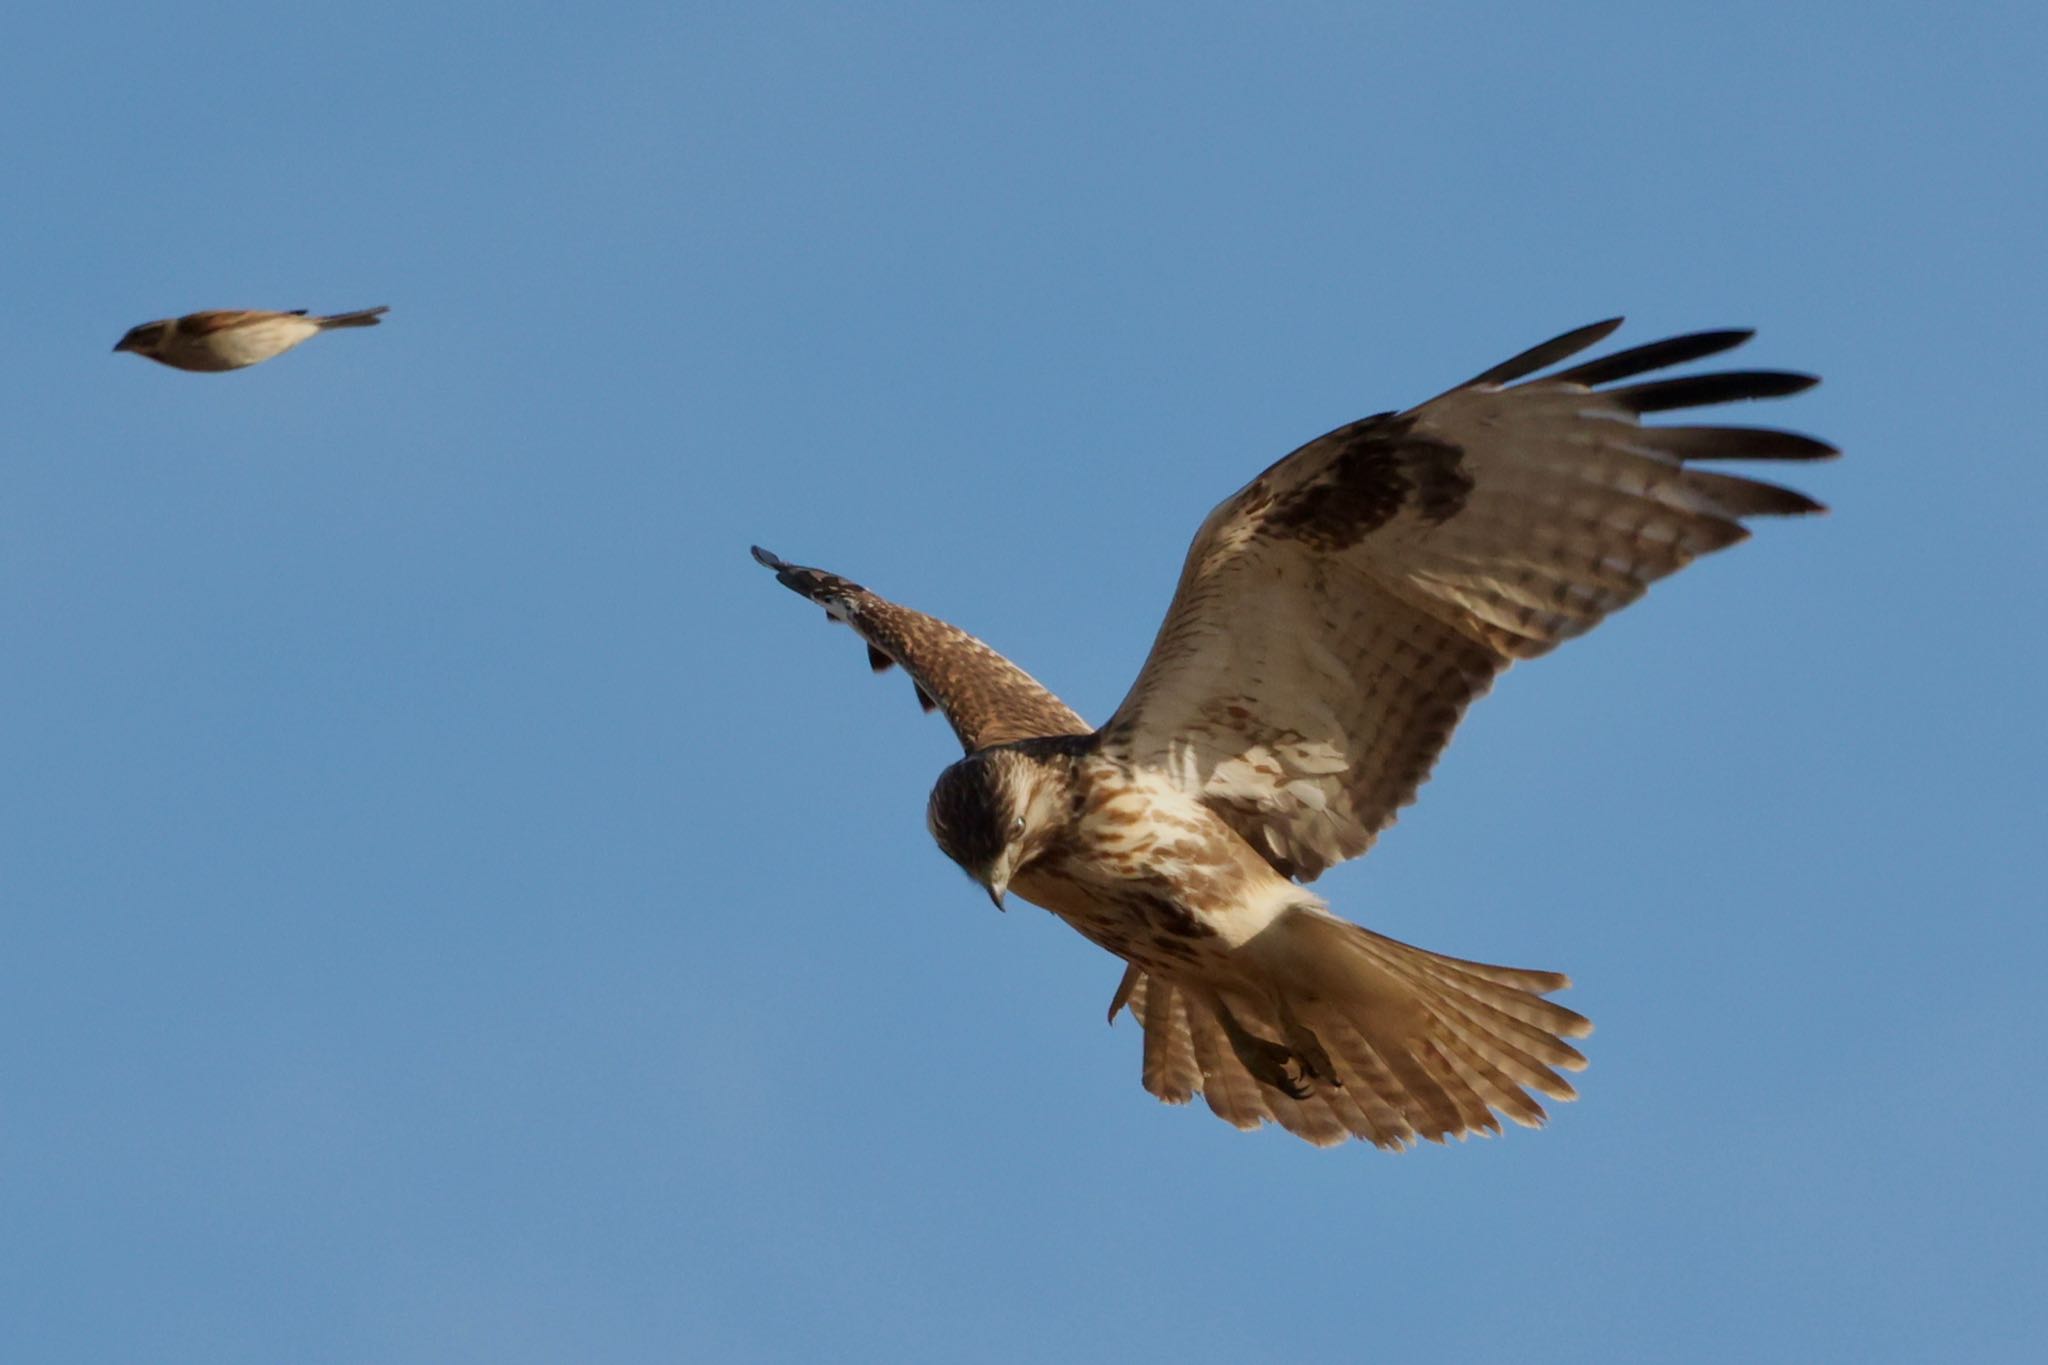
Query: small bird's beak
[122,345]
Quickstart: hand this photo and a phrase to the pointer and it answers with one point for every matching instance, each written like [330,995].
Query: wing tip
[795,577]
[815,584]
[1710,389]
[1652,356]
[1545,354]
[1692,444]
[1796,504]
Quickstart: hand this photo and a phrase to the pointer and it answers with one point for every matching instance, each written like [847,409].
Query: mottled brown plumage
[988,699]
[1333,620]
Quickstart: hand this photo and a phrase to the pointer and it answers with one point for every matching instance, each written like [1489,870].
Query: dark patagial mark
[1380,466]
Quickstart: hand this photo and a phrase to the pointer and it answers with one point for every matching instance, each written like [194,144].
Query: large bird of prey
[1333,620]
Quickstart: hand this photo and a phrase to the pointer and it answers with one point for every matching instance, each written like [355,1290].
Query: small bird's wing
[987,699]
[1336,615]
[220,319]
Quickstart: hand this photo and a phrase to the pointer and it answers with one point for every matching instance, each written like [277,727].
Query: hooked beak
[998,883]
[124,344]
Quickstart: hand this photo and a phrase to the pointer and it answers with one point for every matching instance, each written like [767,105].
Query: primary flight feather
[1333,620]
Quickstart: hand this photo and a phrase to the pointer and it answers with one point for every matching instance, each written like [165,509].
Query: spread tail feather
[362,317]
[1420,1044]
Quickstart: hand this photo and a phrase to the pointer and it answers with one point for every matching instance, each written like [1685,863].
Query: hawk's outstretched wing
[988,699]
[1336,615]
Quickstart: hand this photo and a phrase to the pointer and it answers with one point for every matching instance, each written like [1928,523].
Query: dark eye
[1017,825]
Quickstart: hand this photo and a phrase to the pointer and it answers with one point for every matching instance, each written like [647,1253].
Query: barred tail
[1416,1043]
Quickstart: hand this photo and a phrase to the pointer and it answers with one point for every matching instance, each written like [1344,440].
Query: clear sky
[455,907]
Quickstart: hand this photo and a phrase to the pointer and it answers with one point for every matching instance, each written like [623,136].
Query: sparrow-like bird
[1334,618]
[232,338]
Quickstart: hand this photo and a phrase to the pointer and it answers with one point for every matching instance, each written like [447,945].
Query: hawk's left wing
[987,699]
[1336,615]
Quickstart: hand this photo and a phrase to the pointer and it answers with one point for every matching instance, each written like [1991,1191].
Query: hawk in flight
[1333,620]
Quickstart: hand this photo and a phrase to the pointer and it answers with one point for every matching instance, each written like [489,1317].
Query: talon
[1308,1049]
[1132,976]
[1270,1063]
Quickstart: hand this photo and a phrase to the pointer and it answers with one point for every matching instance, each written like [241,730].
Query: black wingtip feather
[878,661]
[1545,355]
[1738,497]
[1656,355]
[815,584]
[924,699]
[1702,390]
[795,577]
[1788,502]
[1739,443]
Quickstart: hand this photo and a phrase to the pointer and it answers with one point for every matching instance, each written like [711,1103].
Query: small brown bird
[231,338]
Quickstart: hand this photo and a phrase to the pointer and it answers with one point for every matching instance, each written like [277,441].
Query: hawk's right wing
[1336,615]
[987,699]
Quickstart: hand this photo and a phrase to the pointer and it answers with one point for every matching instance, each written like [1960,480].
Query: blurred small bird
[231,338]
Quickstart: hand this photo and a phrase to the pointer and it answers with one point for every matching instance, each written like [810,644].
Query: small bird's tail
[363,317]
[1388,1042]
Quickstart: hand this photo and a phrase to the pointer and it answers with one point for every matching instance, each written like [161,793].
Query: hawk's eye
[1017,826]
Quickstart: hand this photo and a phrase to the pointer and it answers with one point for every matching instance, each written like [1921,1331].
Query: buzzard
[1333,620]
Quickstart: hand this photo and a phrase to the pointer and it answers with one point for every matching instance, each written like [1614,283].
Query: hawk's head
[992,812]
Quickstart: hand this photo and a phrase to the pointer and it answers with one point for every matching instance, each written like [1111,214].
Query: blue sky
[458,908]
